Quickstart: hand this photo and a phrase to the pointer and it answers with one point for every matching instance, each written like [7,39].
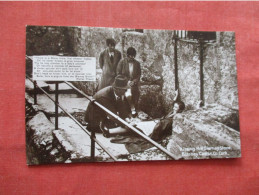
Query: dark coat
[109,68]
[94,115]
[123,69]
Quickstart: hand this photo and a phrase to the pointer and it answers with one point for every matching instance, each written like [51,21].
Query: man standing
[112,98]
[108,62]
[130,68]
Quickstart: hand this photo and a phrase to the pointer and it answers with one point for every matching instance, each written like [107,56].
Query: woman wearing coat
[130,68]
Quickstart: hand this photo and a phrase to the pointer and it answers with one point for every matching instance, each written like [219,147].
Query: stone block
[227,85]
[40,130]
[211,72]
[189,73]
[29,87]
[202,134]
[168,87]
[71,102]
[151,100]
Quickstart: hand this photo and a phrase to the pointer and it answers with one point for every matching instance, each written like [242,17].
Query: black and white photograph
[98,94]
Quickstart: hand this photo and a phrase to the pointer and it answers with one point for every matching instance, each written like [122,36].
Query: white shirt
[111,54]
[131,69]
[117,97]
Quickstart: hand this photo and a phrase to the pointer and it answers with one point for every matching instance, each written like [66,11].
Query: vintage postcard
[97,94]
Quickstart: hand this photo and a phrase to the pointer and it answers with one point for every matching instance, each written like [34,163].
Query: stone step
[39,138]
[71,102]
[78,144]
[63,88]
[29,87]
[49,87]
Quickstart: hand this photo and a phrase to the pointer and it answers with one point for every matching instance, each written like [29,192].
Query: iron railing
[92,134]
[93,138]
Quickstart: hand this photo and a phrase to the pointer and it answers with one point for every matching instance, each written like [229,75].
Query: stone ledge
[39,141]
[201,134]
[29,87]
[70,102]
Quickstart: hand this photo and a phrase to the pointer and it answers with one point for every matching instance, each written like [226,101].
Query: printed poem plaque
[63,68]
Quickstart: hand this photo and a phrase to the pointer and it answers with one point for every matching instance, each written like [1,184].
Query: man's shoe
[134,113]
[104,130]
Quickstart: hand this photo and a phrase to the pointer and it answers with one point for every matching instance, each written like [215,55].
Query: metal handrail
[125,123]
[76,121]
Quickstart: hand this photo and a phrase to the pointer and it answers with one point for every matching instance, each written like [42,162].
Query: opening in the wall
[195,35]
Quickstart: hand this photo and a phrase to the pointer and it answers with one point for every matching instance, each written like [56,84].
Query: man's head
[131,52]
[111,44]
[178,106]
[120,85]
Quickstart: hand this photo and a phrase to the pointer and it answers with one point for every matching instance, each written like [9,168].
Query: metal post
[92,129]
[56,105]
[175,63]
[35,92]
[201,73]
[92,145]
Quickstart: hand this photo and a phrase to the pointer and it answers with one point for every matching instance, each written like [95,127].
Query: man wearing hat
[112,98]
[108,62]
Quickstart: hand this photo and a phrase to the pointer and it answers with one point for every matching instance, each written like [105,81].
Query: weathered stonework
[39,140]
[188,72]
[200,132]
[211,72]
[228,93]
[52,40]
[91,41]
[168,89]
[150,100]
[155,52]
[148,47]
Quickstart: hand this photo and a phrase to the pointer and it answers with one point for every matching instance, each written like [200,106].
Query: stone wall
[49,40]
[219,71]
[155,52]
[90,41]
[226,56]
[188,71]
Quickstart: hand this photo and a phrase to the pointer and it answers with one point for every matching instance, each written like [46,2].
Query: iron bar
[176,63]
[126,124]
[92,145]
[56,105]
[81,126]
[92,129]
[201,73]
[35,92]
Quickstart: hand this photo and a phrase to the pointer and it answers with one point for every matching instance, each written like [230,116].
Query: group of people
[118,77]
[118,91]
[112,65]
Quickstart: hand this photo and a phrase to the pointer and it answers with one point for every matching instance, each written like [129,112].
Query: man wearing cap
[112,98]
[108,62]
